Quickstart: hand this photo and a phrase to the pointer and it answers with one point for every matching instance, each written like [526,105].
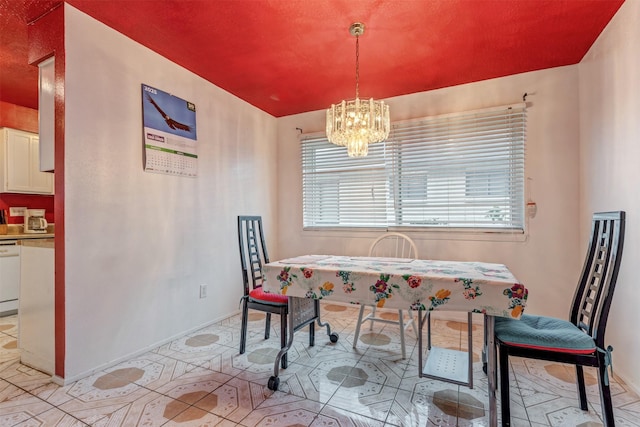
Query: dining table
[398,283]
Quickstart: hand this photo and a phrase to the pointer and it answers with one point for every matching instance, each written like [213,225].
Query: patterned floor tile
[17,406]
[294,413]
[417,409]
[52,417]
[23,376]
[8,348]
[200,379]
[336,417]
[195,417]
[314,383]
[366,398]
[153,409]
[234,400]
[9,325]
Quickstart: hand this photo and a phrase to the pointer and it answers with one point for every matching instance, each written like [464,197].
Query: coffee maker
[34,221]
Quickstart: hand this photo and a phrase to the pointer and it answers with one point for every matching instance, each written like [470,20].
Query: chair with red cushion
[580,340]
[253,255]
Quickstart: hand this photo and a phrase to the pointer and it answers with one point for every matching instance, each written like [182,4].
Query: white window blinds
[464,170]
[342,191]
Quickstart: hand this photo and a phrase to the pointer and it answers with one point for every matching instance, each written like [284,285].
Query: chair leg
[428,316]
[312,334]
[373,315]
[412,322]
[401,324]
[243,327]
[605,394]
[355,338]
[582,391]
[267,327]
[504,386]
[283,338]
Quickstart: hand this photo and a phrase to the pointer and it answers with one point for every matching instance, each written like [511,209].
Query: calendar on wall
[169,126]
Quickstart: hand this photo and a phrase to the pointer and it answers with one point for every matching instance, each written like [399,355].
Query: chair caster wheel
[273,383]
[333,337]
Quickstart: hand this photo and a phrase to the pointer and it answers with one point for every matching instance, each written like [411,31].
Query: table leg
[420,325]
[491,370]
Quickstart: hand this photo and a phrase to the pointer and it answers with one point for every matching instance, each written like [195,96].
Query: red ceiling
[293,56]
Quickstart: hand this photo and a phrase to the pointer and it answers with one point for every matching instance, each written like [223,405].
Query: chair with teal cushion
[580,340]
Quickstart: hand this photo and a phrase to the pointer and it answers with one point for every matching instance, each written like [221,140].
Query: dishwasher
[9,276]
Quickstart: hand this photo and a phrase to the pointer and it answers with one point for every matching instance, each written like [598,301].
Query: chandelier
[357,123]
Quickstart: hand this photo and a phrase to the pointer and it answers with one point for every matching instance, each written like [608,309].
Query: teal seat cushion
[544,333]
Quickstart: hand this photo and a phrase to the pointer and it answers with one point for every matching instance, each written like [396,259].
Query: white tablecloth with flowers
[400,283]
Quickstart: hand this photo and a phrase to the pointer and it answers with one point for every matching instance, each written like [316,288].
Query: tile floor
[201,380]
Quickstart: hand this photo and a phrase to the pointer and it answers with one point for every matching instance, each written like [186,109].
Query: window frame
[508,187]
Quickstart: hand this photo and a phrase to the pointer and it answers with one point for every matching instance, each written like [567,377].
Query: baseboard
[69,380]
[624,377]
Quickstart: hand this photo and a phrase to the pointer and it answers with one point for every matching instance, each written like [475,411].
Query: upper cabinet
[46,113]
[20,164]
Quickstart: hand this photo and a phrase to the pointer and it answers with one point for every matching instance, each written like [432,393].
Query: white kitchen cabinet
[20,163]
[36,310]
[47,113]
[9,276]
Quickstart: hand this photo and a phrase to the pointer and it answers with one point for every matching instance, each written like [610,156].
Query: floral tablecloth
[400,283]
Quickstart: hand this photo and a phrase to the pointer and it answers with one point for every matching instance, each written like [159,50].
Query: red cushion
[259,295]
[553,349]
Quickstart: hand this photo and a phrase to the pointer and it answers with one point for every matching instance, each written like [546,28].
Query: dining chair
[580,340]
[390,245]
[253,256]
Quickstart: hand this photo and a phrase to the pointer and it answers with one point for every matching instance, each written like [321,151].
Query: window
[459,171]
[340,192]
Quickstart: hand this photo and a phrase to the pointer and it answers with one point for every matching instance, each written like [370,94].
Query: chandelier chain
[357,66]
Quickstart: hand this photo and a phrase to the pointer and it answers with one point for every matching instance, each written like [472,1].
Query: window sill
[420,233]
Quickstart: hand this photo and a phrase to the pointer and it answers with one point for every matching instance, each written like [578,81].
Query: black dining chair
[253,256]
[580,340]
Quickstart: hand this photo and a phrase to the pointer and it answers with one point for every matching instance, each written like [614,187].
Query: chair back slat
[592,300]
[253,251]
[393,245]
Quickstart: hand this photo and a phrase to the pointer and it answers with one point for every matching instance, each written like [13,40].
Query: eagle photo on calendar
[168,120]
[164,113]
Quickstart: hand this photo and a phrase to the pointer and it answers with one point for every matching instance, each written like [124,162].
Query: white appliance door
[9,277]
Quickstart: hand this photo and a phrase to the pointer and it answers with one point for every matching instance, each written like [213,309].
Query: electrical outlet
[203,291]
[14,211]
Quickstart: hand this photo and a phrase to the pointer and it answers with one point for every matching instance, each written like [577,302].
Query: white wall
[138,245]
[549,259]
[609,166]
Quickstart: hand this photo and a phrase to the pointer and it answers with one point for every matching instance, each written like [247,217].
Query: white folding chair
[390,245]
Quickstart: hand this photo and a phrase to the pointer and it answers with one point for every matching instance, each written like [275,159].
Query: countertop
[16,232]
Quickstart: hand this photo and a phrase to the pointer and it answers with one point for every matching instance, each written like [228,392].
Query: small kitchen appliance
[34,221]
